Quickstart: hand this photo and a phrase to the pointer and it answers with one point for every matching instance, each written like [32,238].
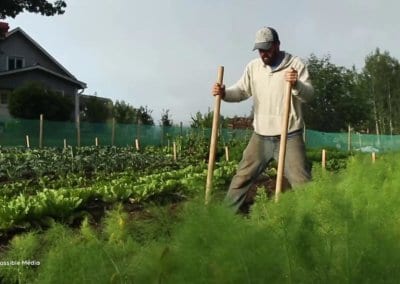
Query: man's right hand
[218,90]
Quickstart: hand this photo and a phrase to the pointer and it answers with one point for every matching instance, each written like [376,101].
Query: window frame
[15,60]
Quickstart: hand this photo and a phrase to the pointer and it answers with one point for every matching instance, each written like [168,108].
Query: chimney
[3,29]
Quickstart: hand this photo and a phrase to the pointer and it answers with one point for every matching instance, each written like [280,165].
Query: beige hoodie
[267,87]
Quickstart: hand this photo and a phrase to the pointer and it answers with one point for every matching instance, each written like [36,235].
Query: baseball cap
[265,37]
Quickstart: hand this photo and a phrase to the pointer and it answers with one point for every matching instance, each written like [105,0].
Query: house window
[15,62]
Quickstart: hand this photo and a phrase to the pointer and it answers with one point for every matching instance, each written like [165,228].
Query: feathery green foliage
[340,228]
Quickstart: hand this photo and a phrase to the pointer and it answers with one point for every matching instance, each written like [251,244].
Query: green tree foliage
[381,83]
[96,109]
[166,118]
[338,100]
[33,99]
[202,121]
[11,8]
[144,116]
[124,113]
[205,120]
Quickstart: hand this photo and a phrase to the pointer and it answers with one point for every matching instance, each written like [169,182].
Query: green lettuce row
[62,202]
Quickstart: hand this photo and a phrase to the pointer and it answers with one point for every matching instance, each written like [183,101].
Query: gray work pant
[259,152]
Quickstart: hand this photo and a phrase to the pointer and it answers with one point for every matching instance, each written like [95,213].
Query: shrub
[33,99]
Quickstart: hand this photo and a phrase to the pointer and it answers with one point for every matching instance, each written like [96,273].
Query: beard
[266,60]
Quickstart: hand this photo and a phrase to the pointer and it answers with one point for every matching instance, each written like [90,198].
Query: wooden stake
[227,153]
[373,155]
[41,131]
[283,141]
[213,142]
[96,141]
[65,143]
[137,144]
[28,145]
[174,147]
[323,159]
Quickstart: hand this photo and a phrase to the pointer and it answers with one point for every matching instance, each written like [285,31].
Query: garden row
[18,163]
[340,228]
[22,205]
[41,185]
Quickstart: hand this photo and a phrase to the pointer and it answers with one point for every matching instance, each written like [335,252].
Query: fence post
[162,136]
[349,139]
[113,132]
[323,162]
[138,129]
[41,131]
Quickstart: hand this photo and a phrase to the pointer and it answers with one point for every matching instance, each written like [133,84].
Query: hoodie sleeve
[241,90]
[303,90]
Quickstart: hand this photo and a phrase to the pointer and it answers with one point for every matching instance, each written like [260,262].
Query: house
[86,100]
[22,60]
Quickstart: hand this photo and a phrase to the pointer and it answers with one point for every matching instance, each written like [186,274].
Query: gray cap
[265,37]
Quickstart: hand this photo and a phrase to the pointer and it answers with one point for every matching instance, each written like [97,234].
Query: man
[265,79]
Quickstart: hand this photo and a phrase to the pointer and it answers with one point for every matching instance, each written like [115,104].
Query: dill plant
[25,247]
[343,227]
[339,228]
[91,256]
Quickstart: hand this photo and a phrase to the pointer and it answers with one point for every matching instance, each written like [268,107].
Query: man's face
[269,56]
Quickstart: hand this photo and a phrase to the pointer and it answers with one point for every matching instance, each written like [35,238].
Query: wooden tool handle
[214,134]
[283,141]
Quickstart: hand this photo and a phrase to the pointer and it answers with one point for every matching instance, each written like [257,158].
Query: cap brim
[262,45]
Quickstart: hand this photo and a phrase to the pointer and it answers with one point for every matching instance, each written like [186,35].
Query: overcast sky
[164,54]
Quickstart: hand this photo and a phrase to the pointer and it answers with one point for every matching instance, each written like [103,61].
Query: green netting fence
[14,132]
[347,141]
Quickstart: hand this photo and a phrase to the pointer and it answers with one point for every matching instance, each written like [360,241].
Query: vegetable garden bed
[332,230]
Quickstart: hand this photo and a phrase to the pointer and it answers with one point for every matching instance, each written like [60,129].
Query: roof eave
[81,84]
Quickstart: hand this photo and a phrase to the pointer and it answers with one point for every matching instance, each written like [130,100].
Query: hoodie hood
[286,61]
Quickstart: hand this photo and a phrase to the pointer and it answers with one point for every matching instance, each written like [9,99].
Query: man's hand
[291,76]
[218,90]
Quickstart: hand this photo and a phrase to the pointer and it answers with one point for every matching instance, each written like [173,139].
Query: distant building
[84,100]
[22,60]
[240,122]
